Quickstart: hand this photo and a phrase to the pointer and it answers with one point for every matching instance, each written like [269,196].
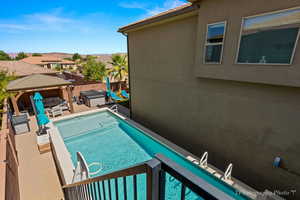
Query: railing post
[153,169]
[162,185]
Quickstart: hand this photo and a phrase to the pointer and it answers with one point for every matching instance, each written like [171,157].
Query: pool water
[105,138]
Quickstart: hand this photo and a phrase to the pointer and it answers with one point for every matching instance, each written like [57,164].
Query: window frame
[219,43]
[264,14]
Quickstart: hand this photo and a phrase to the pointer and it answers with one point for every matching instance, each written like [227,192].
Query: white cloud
[15,27]
[136,5]
[54,20]
[167,5]
[48,18]
[152,10]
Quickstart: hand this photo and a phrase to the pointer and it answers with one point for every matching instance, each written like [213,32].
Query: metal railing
[187,181]
[156,170]
[94,188]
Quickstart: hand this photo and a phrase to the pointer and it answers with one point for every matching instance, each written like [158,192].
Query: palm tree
[4,80]
[119,68]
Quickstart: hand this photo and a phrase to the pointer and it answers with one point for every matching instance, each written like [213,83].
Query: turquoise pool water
[105,138]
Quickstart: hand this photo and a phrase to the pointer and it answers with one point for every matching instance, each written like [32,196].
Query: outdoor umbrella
[42,118]
[107,86]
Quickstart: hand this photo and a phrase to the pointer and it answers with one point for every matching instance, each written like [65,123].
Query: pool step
[103,129]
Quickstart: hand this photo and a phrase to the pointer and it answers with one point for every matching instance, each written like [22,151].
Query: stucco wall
[244,123]
[9,181]
[232,11]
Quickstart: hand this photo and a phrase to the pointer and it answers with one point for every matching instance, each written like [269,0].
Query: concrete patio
[38,178]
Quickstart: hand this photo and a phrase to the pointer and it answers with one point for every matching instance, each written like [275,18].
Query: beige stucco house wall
[244,114]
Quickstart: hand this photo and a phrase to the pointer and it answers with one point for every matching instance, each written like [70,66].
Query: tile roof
[40,60]
[20,68]
[184,7]
[36,81]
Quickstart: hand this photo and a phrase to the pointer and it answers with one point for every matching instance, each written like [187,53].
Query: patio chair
[55,111]
[78,100]
[125,94]
[64,105]
[115,97]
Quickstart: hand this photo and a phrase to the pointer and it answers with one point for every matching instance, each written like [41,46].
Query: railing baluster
[81,192]
[109,189]
[103,188]
[76,193]
[99,190]
[72,193]
[69,193]
[94,190]
[116,189]
[162,185]
[134,188]
[89,191]
[182,191]
[86,192]
[125,187]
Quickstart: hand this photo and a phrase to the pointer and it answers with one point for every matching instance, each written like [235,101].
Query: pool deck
[38,179]
[37,173]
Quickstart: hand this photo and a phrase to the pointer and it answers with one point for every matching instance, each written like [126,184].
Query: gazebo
[38,82]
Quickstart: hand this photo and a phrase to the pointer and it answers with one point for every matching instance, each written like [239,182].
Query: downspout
[128,60]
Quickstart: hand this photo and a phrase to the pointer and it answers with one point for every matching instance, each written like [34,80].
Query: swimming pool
[106,138]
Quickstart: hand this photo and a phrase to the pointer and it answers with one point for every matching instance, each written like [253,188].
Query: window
[269,38]
[214,42]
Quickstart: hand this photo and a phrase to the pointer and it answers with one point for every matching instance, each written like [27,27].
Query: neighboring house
[50,62]
[223,77]
[20,68]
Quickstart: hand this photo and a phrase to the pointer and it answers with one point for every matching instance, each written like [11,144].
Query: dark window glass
[269,38]
[214,42]
[213,53]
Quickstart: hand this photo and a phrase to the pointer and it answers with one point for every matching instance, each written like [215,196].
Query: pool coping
[65,162]
[60,152]
[238,185]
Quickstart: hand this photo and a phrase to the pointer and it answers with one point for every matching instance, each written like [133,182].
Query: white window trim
[219,43]
[263,14]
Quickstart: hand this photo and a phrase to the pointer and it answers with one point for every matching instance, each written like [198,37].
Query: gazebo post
[70,99]
[15,105]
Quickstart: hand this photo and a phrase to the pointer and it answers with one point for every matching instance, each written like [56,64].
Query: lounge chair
[125,94]
[64,105]
[55,111]
[115,97]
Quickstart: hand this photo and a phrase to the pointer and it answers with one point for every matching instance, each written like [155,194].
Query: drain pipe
[129,80]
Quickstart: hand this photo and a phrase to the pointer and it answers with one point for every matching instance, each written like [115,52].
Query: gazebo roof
[36,81]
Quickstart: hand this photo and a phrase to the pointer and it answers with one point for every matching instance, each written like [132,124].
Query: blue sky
[86,27]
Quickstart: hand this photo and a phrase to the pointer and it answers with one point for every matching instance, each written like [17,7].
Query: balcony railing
[116,185]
